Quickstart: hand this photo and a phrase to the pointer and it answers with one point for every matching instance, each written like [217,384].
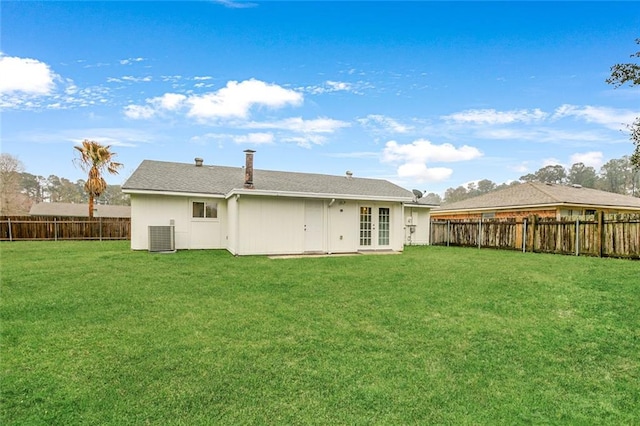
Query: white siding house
[251,212]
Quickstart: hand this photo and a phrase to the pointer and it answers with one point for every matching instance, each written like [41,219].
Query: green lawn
[93,333]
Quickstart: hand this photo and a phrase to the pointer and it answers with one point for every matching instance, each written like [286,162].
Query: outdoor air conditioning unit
[162,239]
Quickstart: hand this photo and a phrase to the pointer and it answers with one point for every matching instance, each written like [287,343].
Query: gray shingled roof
[78,210]
[532,193]
[220,180]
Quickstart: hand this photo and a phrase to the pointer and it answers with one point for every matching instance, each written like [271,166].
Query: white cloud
[423,151]
[115,136]
[306,141]
[382,123]
[491,116]
[420,173]
[414,157]
[136,79]
[25,75]
[130,61]
[331,86]
[237,98]
[520,168]
[593,159]
[168,101]
[298,124]
[611,118]
[337,86]
[551,161]
[137,112]
[254,138]
[235,4]
[362,154]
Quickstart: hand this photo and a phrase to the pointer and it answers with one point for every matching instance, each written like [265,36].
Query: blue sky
[429,95]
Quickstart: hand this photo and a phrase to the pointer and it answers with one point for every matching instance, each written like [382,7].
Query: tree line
[19,190]
[617,175]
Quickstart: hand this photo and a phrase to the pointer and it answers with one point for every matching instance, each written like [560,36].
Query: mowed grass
[93,333]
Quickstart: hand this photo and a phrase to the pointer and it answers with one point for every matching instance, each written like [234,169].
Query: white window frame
[205,203]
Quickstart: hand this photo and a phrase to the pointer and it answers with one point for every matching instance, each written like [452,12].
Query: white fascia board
[421,206]
[315,195]
[495,209]
[172,193]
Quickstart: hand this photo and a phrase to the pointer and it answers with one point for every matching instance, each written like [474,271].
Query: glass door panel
[383,226]
[365,226]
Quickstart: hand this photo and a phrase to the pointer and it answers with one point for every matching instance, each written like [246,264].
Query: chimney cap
[349,174]
[198,161]
[249,151]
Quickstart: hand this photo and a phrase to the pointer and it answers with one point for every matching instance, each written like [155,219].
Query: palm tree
[94,159]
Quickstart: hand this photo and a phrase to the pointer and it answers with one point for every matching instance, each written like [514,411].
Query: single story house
[79,210]
[541,199]
[256,212]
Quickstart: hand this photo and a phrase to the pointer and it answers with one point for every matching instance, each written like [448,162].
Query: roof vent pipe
[349,174]
[198,161]
[248,170]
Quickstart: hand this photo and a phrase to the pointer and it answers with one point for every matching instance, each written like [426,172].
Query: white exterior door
[313,229]
[375,227]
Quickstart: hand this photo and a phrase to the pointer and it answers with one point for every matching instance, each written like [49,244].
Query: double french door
[375,227]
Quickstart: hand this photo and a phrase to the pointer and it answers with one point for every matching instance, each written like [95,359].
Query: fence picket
[606,235]
[14,228]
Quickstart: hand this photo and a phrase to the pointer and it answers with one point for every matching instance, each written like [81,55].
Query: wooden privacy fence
[604,235]
[19,228]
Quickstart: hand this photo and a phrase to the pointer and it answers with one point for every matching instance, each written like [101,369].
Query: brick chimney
[248,170]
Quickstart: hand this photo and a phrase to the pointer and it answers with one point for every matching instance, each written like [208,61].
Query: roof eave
[264,193]
[534,206]
[171,193]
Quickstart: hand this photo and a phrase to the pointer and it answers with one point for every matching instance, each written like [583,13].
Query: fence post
[10,235]
[600,233]
[448,231]
[55,229]
[534,222]
[578,237]
[480,233]
[100,224]
[524,235]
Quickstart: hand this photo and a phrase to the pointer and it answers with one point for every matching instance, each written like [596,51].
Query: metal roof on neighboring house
[542,194]
[160,176]
[78,210]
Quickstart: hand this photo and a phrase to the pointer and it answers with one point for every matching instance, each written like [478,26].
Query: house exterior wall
[270,225]
[343,227]
[190,233]
[281,225]
[417,226]
[232,224]
[259,225]
[397,227]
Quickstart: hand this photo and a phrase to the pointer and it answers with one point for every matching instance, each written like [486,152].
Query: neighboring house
[249,211]
[541,199]
[79,210]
